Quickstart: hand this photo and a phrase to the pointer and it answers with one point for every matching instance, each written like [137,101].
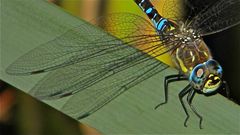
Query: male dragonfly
[97,70]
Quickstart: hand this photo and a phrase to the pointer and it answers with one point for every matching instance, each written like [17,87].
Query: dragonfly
[94,65]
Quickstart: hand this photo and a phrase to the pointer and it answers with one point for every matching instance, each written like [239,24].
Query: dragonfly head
[206,77]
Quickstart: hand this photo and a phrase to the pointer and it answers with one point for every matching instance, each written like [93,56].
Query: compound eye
[212,63]
[197,76]
[214,67]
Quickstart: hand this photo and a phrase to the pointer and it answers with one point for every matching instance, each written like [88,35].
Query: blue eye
[219,70]
[197,74]
[212,64]
[214,67]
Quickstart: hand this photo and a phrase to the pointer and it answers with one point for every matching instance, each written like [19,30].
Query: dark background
[225,49]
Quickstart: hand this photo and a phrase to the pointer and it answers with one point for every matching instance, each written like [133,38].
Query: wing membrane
[93,98]
[57,53]
[173,9]
[79,76]
[85,42]
[71,79]
[104,57]
[220,16]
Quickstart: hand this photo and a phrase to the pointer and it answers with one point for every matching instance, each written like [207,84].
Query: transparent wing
[125,24]
[110,55]
[77,77]
[219,16]
[85,42]
[93,98]
[94,66]
[59,52]
[173,9]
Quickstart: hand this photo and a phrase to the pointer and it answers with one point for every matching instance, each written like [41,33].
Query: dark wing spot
[37,72]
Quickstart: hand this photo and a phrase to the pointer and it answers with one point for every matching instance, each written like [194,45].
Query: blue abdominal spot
[149,10]
[161,24]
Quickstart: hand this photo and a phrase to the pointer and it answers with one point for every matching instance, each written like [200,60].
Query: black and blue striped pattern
[159,22]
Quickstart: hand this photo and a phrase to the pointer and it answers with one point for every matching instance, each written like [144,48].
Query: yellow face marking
[209,87]
[211,75]
[208,84]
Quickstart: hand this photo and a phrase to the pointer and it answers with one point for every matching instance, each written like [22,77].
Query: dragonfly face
[206,77]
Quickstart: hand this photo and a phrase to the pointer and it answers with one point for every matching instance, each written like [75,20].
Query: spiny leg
[181,95]
[167,80]
[189,100]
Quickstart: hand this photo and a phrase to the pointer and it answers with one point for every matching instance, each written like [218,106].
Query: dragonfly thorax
[186,35]
[189,54]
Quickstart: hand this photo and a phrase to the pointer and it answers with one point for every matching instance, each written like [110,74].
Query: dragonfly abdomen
[159,22]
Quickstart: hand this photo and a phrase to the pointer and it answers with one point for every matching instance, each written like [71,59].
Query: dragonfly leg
[181,95]
[167,80]
[226,88]
[189,100]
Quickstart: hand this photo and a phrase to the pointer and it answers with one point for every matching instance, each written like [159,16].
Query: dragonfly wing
[59,52]
[70,79]
[137,32]
[123,25]
[91,61]
[93,98]
[173,9]
[118,57]
[67,80]
[80,43]
[220,16]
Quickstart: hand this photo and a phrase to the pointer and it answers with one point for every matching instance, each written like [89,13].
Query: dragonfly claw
[185,122]
[200,123]
[159,105]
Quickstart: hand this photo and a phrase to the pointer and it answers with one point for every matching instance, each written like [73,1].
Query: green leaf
[26,24]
